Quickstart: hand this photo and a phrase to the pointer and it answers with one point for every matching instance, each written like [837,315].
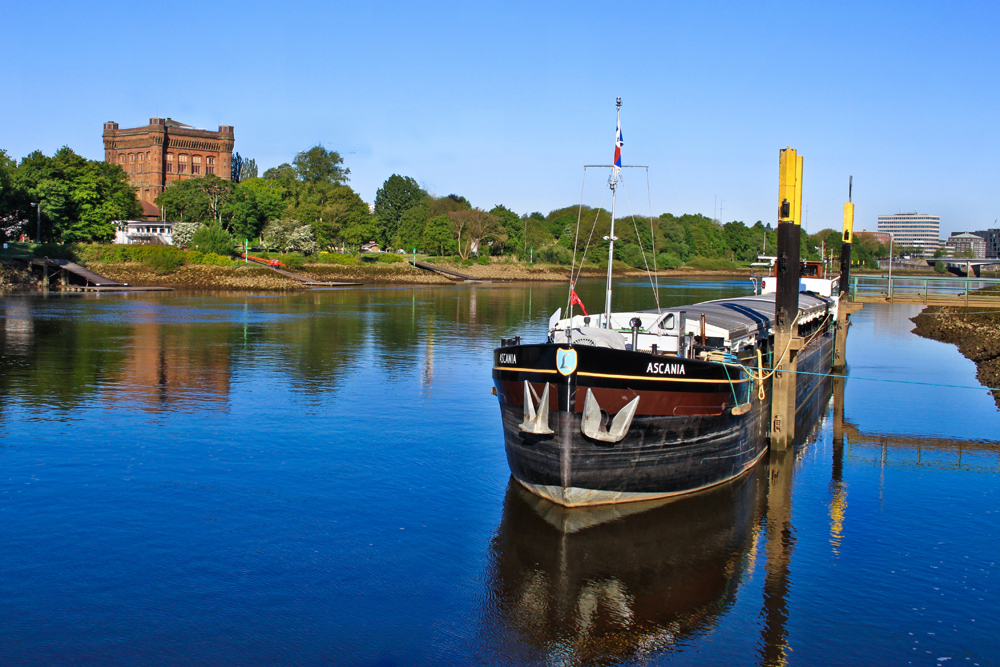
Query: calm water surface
[319,478]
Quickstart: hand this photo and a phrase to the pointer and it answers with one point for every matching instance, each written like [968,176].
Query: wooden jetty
[305,280]
[447,273]
[71,274]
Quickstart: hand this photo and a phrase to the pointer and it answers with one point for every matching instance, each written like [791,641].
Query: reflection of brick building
[165,151]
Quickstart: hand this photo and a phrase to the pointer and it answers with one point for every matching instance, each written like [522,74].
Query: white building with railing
[144,232]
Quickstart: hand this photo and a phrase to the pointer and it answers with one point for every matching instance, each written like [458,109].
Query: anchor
[537,423]
[591,422]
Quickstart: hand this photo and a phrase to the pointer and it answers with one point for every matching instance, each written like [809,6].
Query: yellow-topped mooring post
[786,299]
[844,308]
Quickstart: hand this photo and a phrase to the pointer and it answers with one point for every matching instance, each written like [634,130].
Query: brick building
[165,151]
[964,242]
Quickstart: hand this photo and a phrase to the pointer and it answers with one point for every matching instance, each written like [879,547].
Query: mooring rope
[928,384]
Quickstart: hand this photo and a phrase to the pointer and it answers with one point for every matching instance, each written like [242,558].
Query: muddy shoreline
[252,277]
[974,332]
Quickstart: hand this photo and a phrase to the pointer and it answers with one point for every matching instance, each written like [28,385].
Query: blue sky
[504,102]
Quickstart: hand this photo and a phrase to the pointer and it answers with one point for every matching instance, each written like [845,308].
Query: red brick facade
[165,151]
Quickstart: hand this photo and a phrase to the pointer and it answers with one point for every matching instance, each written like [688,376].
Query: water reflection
[595,586]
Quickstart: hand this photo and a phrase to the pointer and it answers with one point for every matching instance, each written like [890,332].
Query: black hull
[685,436]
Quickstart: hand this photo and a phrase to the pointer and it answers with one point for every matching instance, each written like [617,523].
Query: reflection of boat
[598,585]
[627,406]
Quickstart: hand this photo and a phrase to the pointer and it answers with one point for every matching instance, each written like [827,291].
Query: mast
[613,184]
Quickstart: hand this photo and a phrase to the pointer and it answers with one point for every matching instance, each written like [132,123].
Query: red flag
[574,300]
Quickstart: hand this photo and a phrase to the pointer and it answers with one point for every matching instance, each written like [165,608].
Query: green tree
[185,201]
[250,206]
[284,173]
[318,165]
[437,237]
[510,230]
[396,196]
[213,238]
[411,227]
[80,199]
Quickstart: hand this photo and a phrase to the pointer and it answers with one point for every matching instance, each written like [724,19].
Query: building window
[141,157]
[196,169]
[131,157]
[211,160]
[181,168]
[182,158]
[121,158]
[170,166]
[209,170]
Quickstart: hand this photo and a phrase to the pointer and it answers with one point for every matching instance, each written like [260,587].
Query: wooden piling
[786,300]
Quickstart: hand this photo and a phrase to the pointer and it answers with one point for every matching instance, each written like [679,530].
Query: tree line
[307,205]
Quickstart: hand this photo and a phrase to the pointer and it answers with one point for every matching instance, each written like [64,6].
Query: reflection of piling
[780,543]
[844,308]
[786,303]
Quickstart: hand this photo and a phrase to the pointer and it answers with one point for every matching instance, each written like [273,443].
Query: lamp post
[38,232]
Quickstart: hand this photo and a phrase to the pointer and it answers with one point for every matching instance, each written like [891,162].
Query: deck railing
[929,290]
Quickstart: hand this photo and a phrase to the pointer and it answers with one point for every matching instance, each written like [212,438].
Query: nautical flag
[574,300]
[618,146]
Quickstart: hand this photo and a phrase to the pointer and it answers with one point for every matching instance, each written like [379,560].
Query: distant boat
[627,406]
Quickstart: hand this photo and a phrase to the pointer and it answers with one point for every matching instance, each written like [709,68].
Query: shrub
[466,263]
[164,259]
[341,258]
[391,258]
[213,239]
[632,255]
[208,259]
[183,232]
[940,267]
[668,260]
[554,254]
[484,260]
[55,251]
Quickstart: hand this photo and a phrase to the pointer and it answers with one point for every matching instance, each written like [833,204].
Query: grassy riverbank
[164,266]
[975,332]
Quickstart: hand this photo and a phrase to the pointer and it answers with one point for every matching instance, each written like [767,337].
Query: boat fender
[591,426]
[536,422]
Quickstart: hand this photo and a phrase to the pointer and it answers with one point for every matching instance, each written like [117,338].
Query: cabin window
[667,322]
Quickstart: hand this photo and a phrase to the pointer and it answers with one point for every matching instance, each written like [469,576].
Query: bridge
[970,265]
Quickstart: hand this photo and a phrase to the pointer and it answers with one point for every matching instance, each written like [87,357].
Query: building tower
[165,151]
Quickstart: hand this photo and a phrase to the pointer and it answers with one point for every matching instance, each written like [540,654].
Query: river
[319,478]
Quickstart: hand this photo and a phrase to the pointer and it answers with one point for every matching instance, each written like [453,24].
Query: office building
[915,230]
